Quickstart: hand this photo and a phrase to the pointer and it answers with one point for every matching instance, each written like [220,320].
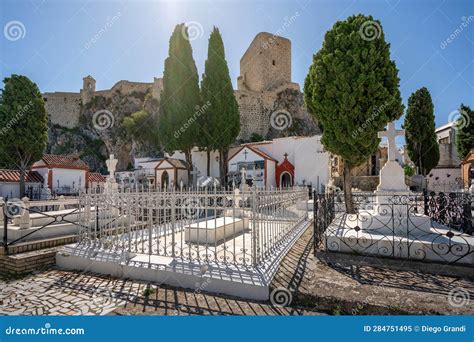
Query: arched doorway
[165,180]
[286,180]
[285,173]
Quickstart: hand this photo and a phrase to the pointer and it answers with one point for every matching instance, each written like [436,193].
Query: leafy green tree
[465,131]
[180,97]
[352,88]
[409,171]
[422,145]
[24,125]
[220,119]
[141,126]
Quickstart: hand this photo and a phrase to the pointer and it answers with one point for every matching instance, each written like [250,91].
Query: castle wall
[63,108]
[252,114]
[266,64]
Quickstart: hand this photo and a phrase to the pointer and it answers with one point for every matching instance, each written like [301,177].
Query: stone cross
[111,165]
[391,133]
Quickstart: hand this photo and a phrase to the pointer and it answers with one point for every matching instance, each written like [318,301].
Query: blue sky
[56,49]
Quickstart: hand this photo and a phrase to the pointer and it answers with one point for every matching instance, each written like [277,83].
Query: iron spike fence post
[466,221]
[425,202]
[96,219]
[5,226]
[254,227]
[315,222]
[173,223]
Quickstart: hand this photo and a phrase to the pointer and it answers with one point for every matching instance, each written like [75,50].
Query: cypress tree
[352,88]
[419,124]
[180,98]
[220,119]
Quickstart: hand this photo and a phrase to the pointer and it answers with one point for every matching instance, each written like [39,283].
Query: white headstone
[111,166]
[392,176]
[111,185]
[391,133]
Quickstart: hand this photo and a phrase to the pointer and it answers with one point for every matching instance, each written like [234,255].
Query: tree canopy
[353,84]
[352,88]
[220,119]
[465,131]
[24,125]
[420,128]
[180,97]
[141,126]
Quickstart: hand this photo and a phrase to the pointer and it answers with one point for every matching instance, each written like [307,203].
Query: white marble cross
[391,133]
[111,165]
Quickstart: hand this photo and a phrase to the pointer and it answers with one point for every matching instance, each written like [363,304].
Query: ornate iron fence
[211,226]
[423,227]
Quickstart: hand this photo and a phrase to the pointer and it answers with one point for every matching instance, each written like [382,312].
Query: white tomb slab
[214,230]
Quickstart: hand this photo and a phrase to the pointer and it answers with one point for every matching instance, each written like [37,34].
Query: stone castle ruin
[270,106]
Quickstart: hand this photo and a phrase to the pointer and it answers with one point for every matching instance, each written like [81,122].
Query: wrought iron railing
[24,214]
[421,226]
[209,226]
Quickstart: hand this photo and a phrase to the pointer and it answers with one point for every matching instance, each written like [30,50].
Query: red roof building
[10,183]
[13,176]
[65,174]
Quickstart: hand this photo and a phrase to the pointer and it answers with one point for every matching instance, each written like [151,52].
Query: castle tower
[266,64]
[88,89]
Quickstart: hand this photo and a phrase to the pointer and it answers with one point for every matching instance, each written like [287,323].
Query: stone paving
[55,292]
[304,285]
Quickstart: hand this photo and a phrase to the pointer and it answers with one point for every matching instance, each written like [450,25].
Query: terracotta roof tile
[55,160]
[96,177]
[13,176]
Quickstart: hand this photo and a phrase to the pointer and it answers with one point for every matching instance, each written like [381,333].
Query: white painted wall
[66,177]
[259,173]
[271,171]
[444,183]
[12,190]
[305,153]
[311,162]
[182,175]
[200,161]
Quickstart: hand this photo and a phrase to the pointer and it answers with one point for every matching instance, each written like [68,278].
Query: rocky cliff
[100,132]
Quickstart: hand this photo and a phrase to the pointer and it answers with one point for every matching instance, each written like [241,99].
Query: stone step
[28,246]
[27,262]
